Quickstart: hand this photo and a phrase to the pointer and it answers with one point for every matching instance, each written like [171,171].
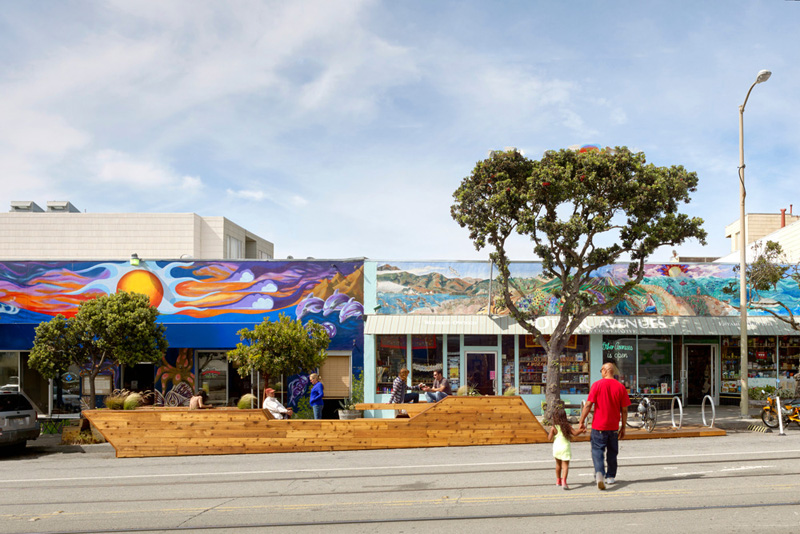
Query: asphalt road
[743,482]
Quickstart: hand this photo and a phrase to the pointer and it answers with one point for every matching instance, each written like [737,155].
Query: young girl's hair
[560,420]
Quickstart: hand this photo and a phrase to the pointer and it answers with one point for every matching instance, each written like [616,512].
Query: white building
[64,232]
[783,228]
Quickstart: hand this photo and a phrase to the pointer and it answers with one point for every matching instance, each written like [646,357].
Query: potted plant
[348,405]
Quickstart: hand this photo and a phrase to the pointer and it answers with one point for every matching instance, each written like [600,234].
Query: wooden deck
[454,421]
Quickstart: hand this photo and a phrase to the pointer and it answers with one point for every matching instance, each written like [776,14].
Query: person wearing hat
[278,410]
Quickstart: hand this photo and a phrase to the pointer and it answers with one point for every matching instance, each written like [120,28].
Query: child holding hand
[563,433]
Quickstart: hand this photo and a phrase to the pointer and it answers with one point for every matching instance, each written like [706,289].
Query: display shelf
[788,356]
[574,373]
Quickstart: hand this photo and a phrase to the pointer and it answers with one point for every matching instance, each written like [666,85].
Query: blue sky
[341,129]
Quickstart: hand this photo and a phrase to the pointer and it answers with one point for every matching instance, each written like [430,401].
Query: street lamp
[744,402]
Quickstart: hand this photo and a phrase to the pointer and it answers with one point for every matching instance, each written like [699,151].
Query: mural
[202,303]
[671,289]
[222,291]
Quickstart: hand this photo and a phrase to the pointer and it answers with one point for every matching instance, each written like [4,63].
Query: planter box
[350,414]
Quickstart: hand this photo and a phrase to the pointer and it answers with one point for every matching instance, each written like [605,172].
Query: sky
[341,129]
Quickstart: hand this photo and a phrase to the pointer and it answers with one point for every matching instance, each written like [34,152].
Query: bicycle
[646,413]
[789,409]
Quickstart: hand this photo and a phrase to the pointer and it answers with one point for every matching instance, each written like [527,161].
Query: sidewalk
[727,418]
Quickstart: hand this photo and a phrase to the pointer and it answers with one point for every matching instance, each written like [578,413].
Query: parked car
[18,421]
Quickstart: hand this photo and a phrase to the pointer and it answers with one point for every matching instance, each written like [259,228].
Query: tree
[582,211]
[282,347]
[120,329]
[764,273]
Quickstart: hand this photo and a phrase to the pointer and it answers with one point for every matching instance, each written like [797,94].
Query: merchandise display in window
[761,357]
[730,359]
[391,358]
[789,356]
[574,367]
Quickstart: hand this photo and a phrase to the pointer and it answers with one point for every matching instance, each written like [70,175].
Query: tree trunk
[553,385]
[92,396]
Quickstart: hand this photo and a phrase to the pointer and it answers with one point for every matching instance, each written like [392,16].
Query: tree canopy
[768,268]
[582,211]
[285,346]
[119,328]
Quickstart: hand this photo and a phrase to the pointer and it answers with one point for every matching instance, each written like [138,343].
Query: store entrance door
[482,372]
[700,376]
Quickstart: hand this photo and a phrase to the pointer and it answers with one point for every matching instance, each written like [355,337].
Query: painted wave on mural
[671,289]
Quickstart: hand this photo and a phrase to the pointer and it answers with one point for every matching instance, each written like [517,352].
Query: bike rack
[713,411]
[672,413]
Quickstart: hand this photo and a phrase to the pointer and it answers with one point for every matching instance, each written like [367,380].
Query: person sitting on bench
[439,390]
[399,388]
[278,410]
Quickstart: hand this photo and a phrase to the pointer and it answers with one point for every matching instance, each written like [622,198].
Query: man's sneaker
[610,481]
[564,485]
[601,485]
[558,482]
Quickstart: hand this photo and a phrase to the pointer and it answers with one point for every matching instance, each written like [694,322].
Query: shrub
[303,410]
[132,401]
[467,391]
[114,402]
[510,391]
[247,402]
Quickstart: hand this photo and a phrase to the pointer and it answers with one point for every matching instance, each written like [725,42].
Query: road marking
[780,454]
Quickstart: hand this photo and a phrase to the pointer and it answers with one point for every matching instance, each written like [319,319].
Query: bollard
[780,416]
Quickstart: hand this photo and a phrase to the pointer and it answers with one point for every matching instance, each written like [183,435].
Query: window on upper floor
[234,248]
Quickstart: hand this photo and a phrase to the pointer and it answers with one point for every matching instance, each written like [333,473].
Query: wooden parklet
[454,421]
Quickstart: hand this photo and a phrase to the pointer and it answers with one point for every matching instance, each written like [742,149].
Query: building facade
[203,305]
[675,335]
[63,232]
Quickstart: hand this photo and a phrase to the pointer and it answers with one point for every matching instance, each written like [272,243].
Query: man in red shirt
[610,401]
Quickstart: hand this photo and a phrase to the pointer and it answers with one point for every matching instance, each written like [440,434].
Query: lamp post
[744,403]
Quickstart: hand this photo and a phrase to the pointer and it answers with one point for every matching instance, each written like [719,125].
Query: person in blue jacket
[317,393]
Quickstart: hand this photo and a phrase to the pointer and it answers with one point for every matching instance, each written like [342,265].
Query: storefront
[203,304]
[436,316]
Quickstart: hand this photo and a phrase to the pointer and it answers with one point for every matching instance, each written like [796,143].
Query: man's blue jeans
[317,408]
[605,441]
[435,396]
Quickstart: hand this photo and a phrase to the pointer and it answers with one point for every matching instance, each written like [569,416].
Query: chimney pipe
[783,217]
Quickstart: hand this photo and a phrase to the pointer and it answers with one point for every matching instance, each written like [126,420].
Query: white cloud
[256,196]
[128,171]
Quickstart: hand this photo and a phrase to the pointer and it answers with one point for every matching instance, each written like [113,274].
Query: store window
[213,373]
[427,356]
[67,391]
[480,341]
[655,364]
[391,357]
[34,385]
[789,355]
[507,362]
[621,350]
[454,361]
[761,357]
[9,370]
[574,366]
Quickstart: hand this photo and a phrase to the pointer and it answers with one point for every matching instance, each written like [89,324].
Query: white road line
[317,470]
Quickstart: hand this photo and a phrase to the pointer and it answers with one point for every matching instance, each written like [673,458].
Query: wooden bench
[412,408]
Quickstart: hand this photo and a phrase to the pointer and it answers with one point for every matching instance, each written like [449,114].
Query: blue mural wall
[202,303]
